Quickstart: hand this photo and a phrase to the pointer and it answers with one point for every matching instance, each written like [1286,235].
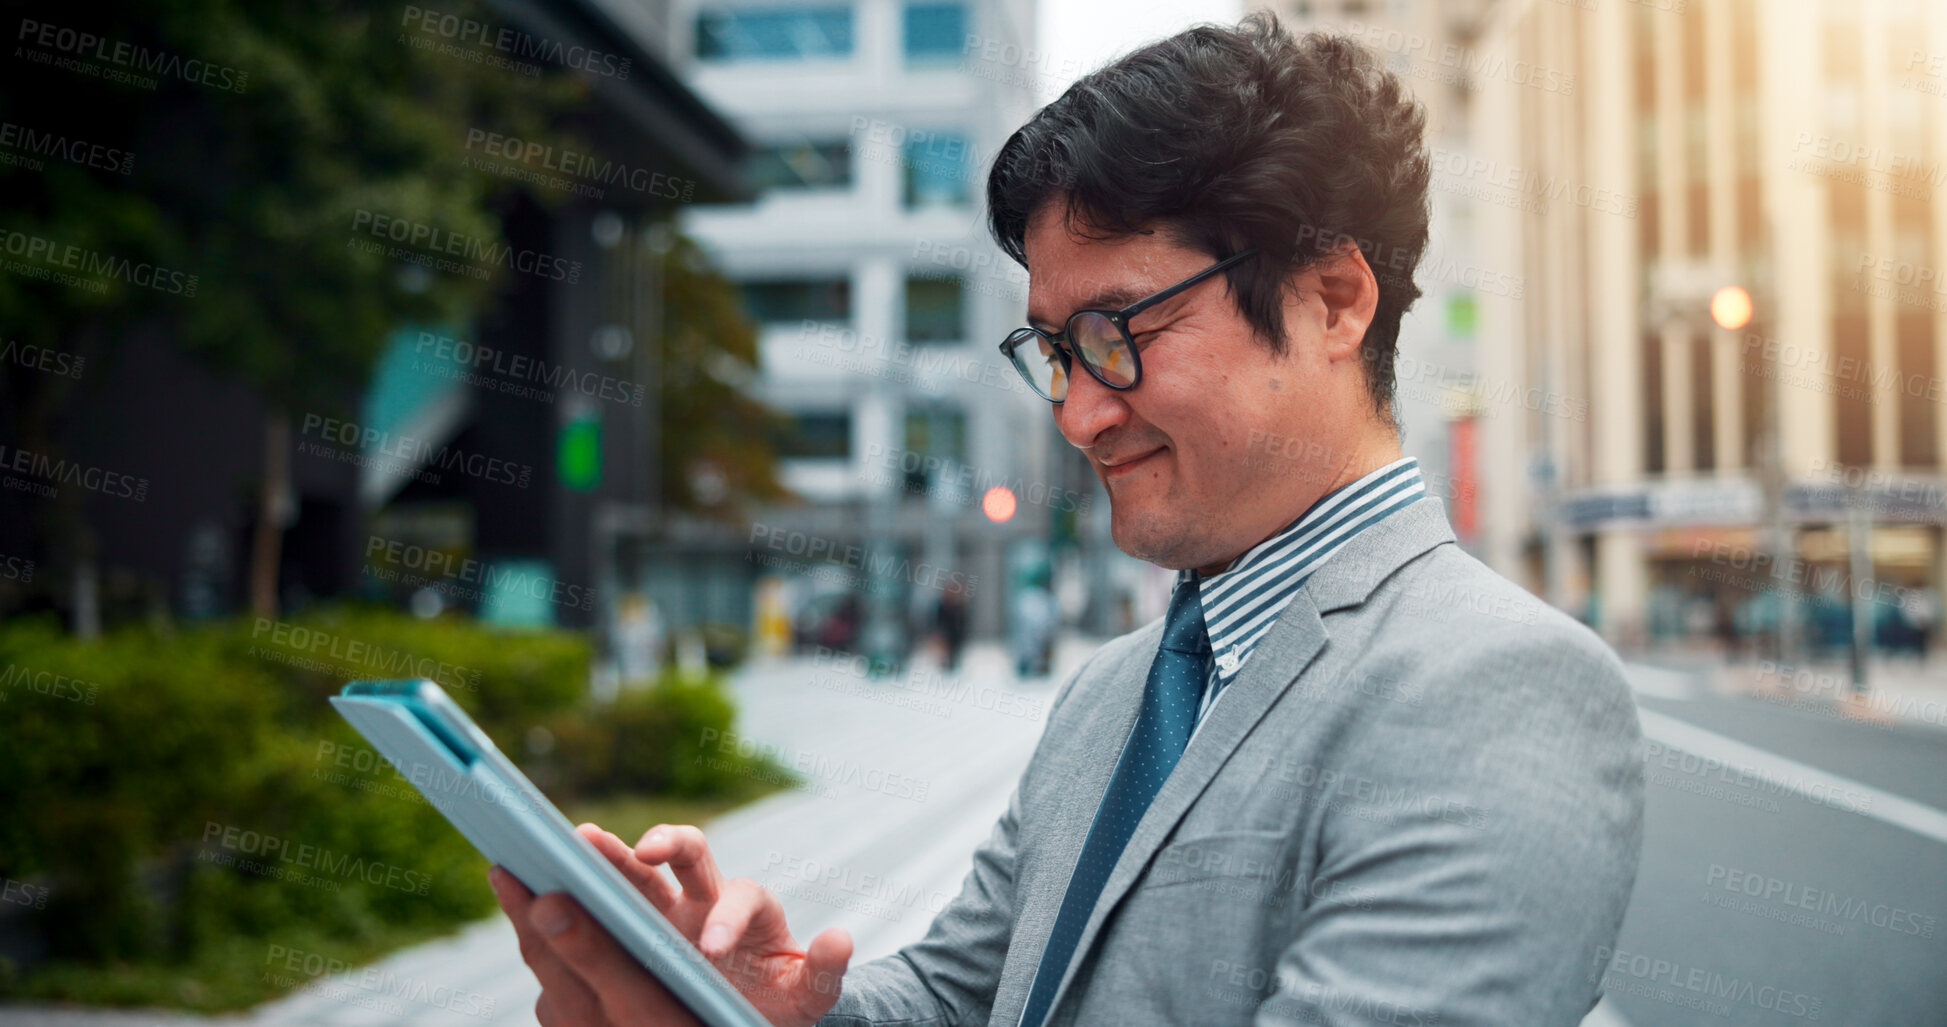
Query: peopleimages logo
[436,566]
[1620,971]
[40,358]
[477,253]
[821,768]
[75,44]
[819,551]
[20,893]
[1757,780]
[510,372]
[67,472]
[940,474]
[29,140]
[883,894]
[16,568]
[47,683]
[53,253]
[1819,900]
[573,164]
[315,642]
[370,987]
[404,451]
[513,42]
[1462,165]
[269,847]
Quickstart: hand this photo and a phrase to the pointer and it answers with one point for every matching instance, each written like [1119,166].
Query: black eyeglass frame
[1119,318]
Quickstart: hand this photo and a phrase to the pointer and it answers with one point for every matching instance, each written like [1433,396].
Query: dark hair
[1231,138]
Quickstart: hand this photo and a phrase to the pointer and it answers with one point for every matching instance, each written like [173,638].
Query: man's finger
[741,901]
[682,847]
[647,879]
[625,991]
[824,968]
[566,998]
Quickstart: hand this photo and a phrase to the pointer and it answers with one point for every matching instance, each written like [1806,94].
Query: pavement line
[1796,778]
[1661,682]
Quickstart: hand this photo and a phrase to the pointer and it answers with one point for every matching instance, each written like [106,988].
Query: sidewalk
[1897,691]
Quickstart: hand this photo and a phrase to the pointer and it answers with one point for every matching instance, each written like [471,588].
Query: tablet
[437,747]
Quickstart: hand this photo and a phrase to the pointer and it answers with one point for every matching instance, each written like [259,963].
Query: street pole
[1544,473]
[1772,480]
[1731,308]
[878,629]
[661,238]
[944,500]
[1859,579]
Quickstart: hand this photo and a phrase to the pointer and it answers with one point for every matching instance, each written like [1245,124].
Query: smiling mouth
[1122,467]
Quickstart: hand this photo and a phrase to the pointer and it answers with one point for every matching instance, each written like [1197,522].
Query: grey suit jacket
[1419,803]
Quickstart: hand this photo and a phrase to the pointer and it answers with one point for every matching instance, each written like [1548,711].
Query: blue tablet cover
[438,748]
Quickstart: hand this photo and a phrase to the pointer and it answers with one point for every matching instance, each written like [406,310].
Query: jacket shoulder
[1449,611]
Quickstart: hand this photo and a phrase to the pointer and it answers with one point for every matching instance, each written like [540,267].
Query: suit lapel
[1286,649]
[1083,761]
[1291,645]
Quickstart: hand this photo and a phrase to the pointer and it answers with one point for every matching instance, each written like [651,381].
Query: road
[1795,863]
[1794,869]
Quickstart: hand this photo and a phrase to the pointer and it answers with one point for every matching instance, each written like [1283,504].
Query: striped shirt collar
[1241,602]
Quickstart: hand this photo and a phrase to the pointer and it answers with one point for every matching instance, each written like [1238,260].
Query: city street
[555,350]
[1795,865]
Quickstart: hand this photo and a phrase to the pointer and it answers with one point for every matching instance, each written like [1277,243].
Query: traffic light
[578,450]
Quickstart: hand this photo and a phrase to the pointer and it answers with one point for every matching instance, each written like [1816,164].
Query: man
[1352,776]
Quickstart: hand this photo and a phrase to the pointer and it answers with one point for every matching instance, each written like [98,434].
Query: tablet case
[444,754]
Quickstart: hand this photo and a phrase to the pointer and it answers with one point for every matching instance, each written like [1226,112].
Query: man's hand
[588,979]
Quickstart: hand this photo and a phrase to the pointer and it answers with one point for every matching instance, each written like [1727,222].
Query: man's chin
[1151,540]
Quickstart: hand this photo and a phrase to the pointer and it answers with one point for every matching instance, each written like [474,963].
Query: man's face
[1221,442]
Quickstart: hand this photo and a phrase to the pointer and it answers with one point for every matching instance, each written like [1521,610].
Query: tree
[715,451]
[267,130]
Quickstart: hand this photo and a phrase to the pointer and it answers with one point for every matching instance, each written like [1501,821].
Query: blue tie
[1169,712]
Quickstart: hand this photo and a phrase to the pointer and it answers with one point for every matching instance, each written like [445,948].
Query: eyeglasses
[1099,337]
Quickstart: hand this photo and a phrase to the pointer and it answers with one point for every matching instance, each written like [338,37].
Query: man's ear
[1350,294]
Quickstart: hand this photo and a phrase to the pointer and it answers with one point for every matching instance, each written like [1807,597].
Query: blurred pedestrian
[1032,629]
[950,621]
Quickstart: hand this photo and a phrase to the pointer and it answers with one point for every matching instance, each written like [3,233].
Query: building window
[934,310]
[774,33]
[937,431]
[789,300]
[934,33]
[939,169]
[1914,382]
[816,435]
[800,164]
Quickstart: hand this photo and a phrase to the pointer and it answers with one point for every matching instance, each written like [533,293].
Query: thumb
[825,960]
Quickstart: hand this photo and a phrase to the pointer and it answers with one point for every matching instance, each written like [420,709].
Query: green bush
[655,740]
[142,771]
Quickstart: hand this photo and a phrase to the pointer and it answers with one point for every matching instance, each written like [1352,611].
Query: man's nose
[1089,409]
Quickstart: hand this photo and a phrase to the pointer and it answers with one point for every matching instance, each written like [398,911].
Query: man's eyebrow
[1108,299]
